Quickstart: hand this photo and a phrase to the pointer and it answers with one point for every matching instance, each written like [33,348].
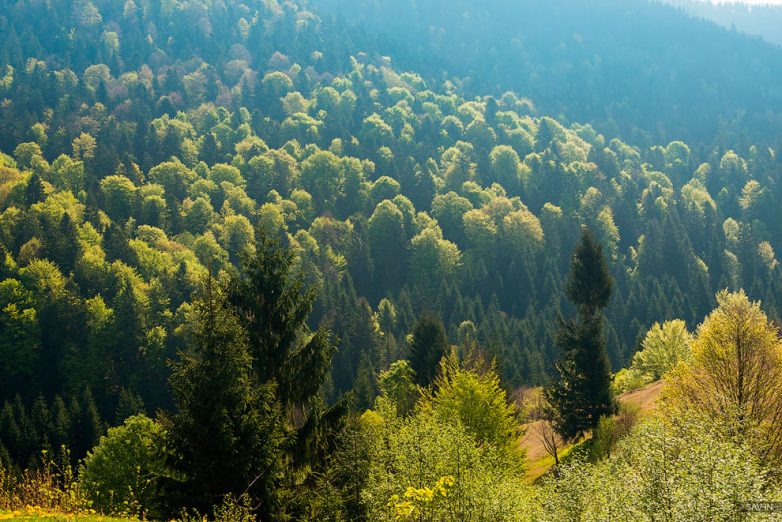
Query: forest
[388,260]
[759,19]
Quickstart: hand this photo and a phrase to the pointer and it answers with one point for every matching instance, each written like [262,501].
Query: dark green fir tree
[583,392]
[228,435]
[428,346]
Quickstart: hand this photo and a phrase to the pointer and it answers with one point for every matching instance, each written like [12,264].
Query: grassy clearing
[539,467]
[540,462]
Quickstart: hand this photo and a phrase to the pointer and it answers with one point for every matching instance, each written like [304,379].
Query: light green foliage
[386,316]
[25,154]
[322,177]
[454,458]
[732,165]
[209,251]
[767,255]
[68,174]
[305,206]
[294,102]
[236,200]
[608,232]
[627,380]
[418,452]
[237,236]
[506,167]
[397,385]
[697,199]
[480,230]
[183,136]
[120,195]
[84,144]
[422,503]
[432,257]
[235,509]
[175,177]
[475,399]
[57,204]
[277,83]
[198,214]
[376,132]
[448,209]
[751,195]
[734,375]
[122,474]
[300,127]
[664,346]
[271,219]
[384,188]
[522,232]
[502,224]
[43,279]
[221,172]
[659,472]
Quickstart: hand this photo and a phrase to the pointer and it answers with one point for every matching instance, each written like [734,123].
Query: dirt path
[645,398]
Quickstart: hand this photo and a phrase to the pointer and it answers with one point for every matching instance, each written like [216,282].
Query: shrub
[121,474]
[610,430]
[661,471]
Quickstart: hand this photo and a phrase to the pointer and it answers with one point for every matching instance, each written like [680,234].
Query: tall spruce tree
[249,397]
[228,435]
[583,393]
[273,304]
[428,346]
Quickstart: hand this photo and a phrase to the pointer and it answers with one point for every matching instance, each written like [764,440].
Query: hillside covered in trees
[759,18]
[636,70]
[302,264]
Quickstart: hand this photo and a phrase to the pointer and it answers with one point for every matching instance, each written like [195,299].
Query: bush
[610,430]
[413,458]
[629,379]
[661,471]
[121,475]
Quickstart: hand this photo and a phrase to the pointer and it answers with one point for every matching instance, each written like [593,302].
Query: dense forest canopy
[287,194]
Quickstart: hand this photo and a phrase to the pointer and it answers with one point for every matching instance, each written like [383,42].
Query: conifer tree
[61,422]
[428,346]
[34,192]
[248,398]
[583,393]
[85,426]
[273,305]
[115,244]
[227,435]
[62,245]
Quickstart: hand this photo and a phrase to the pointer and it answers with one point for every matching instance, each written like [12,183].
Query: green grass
[539,468]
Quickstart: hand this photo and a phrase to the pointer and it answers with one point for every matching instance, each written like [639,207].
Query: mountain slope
[133,167]
[759,18]
[636,69]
